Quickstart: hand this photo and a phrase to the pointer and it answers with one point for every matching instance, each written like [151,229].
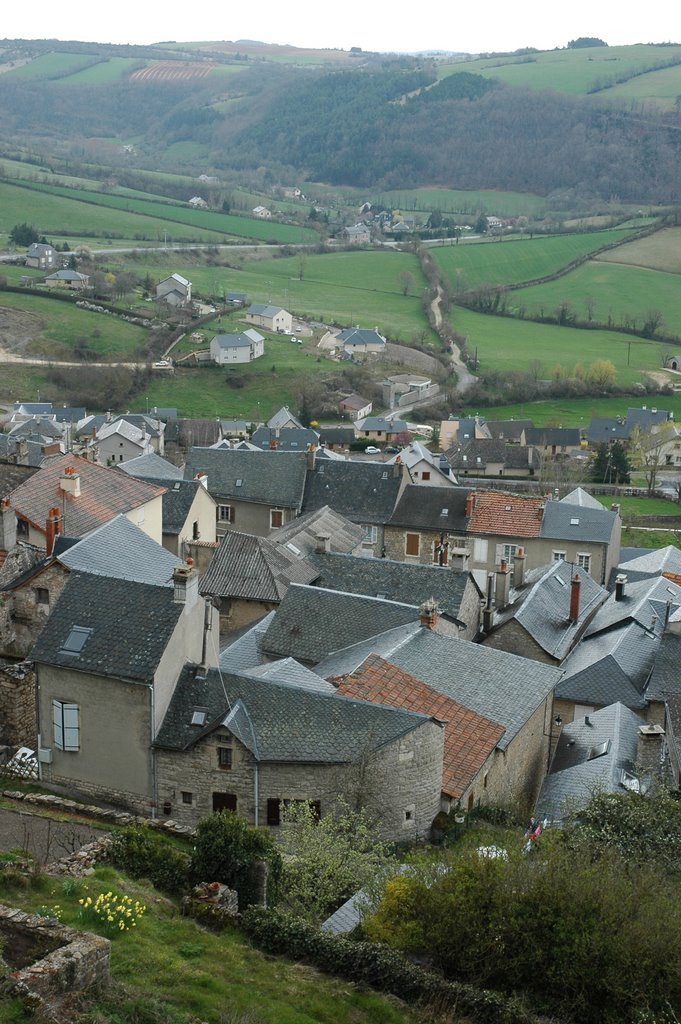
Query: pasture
[613,292]
[472,264]
[576,71]
[457,201]
[574,412]
[504,344]
[53,66]
[661,251]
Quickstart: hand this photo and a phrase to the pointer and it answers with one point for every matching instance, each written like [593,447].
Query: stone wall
[18,727]
[79,962]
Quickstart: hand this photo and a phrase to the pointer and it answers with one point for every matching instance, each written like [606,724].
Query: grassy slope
[576,412]
[575,71]
[503,204]
[472,264]
[198,975]
[615,290]
[661,251]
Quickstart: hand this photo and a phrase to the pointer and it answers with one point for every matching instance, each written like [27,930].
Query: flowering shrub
[116,913]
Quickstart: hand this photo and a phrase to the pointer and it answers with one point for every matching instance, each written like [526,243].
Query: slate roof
[431,508]
[300,536]
[267,478]
[574,776]
[508,430]
[506,515]
[281,417]
[665,680]
[337,435]
[290,672]
[479,452]
[258,309]
[566,521]
[397,581]
[243,651]
[12,476]
[657,562]
[288,723]
[559,436]
[235,427]
[543,607]
[469,738]
[503,687]
[119,549]
[129,431]
[37,426]
[68,275]
[380,423]
[581,497]
[288,439]
[360,337]
[177,502]
[253,569]
[199,432]
[644,601]
[347,659]
[364,492]
[130,625]
[227,341]
[103,494]
[610,666]
[151,467]
[66,414]
[311,622]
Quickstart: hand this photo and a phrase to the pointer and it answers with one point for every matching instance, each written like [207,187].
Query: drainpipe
[152,752]
[256,787]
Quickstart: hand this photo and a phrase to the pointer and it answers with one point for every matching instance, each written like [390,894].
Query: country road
[466,378]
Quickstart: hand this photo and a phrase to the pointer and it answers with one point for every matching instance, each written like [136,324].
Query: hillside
[537,123]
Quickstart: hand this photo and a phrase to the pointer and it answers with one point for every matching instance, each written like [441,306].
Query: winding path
[465,378]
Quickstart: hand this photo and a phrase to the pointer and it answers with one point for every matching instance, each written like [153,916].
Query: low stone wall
[78,961]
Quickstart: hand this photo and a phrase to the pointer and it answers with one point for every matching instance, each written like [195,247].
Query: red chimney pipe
[470,504]
[574,598]
[53,527]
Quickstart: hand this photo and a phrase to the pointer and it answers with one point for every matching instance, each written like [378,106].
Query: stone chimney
[615,507]
[519,564]
[202,478]
[397,466]
[323,546]
[503,584]
[488,608]
[311,457]
[54,526]
[69,482]
[428,613]
[8,526]
[470,504]
[575,586]
[620,587]
[650,747]
[186,584]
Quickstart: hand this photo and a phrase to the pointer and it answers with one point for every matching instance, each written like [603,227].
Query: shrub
[144,855]
[229,850]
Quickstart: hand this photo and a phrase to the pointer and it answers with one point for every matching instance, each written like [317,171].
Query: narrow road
[466,378]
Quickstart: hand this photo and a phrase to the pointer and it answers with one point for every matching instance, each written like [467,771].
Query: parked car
[391,450]
[372,450]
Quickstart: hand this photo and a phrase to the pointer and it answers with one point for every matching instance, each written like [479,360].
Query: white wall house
[227,349]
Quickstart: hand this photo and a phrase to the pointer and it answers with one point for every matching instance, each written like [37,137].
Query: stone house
[106,671]
[553,442]
[492,458]
[235,742]
[428,526]
[355,407]
[175,290]
[119,441]
[255,491]
[271,318]
[377,428]
[68,279]
[429,469]
[42,256]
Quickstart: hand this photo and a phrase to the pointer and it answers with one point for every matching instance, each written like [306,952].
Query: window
[370,535]
[276,518]
[187,798]
[226,514]
[195,530]
[412,544]
[42,596]
[225,758]
[66,725]
[199,717]
[76,640]
[425,475]
[584,561]
[484,780]
[509,552]
[558,555]
[140,511]
[273,811]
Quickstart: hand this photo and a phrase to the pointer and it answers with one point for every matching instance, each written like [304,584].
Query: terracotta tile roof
[506,515]
[469,738]
[104,493]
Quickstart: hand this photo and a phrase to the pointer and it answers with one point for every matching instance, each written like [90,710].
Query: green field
[58,66]
[472,264]
[203,221]
[502,204]
[576,71]
[625,294]
[574,412]
[504,344]
[642,506]
[660,251]
[52,328]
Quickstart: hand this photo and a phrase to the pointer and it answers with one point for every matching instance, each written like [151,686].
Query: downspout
[256,794]
[152,752]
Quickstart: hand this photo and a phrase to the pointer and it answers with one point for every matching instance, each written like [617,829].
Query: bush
[143,854]
[381,968]
[228,850]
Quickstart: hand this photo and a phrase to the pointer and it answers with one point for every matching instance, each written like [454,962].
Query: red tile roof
[469,738]
[104,493]
[507,515]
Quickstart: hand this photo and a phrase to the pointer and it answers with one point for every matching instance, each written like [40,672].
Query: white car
[372,450]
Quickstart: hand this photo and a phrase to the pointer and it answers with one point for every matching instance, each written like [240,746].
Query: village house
[425,467]
[358,342]
[68,279]
[262,213]
[271,318]
[175,290]
[42,256]
[428,525]
[355,407]
[378,428]
[458,431]
[486,457]
[227,349]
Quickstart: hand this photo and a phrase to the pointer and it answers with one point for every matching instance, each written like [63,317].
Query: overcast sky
[440,24]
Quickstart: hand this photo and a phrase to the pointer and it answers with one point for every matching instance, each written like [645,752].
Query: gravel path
[45,839]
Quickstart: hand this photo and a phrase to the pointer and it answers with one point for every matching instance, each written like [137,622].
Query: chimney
[8,526]
[323,544]
[503,584]
[397,466]
[615,508]
[519,561]
[311,457]
[53,528]
[428,613]
[489,603]
[620,586]
[470,504]
[202,479]
[186,585]
[650,747]
[540,511]
[69,482]
[273,445]
[575,586]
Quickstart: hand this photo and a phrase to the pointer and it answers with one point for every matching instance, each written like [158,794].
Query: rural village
[340,582]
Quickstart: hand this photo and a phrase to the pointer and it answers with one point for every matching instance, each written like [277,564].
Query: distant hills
[592,123]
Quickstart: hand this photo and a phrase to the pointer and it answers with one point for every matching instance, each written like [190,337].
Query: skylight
[199,717]
[598,750]
[239,483]
[445,512]
[76,640]
[574,522]
[296,551]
